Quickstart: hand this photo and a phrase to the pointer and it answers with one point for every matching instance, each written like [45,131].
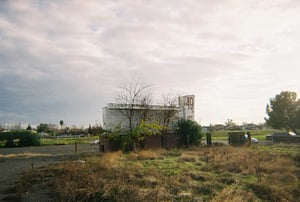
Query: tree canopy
[190,132]
[61,122]
[284,111]
[47,128]
[145,129]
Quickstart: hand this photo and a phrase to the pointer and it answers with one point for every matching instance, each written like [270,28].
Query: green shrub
[20,138]
[190,132]
[28,139]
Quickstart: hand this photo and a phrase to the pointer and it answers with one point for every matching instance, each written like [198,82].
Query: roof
[115,106]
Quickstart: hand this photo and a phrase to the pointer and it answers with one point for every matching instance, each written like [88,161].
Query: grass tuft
[147,155]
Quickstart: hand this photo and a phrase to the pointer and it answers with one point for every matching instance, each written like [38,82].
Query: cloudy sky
[64,59]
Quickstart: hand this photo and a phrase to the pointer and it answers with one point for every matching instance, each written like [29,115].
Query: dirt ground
[15,161]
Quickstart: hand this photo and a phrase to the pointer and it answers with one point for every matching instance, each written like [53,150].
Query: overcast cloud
[64,59]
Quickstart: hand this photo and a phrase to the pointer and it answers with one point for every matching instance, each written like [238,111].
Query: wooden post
[208,139]
[187,141]
[76,147]
[99,142]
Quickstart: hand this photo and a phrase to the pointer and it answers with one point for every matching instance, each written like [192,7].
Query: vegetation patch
[22,138]
[147,155]
[203,174]
[23,155]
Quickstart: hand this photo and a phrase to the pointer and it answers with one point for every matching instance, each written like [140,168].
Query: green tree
[47,128]
[90,129]
[283,111]
[28,127]
[61,123]
[145,129]
[190,132]
[295,123]
[43,127]
[95,130]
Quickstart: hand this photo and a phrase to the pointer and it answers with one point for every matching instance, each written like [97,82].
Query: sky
[66,59]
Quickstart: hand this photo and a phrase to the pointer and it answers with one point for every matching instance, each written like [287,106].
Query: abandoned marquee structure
[116,116]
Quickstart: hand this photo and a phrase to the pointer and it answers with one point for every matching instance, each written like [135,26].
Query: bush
[19,139]
[28,139]
[190,132]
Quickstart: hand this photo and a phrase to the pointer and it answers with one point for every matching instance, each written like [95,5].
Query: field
[68,141]
[219,173]
[47,141]
[216,136]
[259,134]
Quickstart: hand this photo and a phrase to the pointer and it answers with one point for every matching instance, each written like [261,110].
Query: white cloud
[69,56]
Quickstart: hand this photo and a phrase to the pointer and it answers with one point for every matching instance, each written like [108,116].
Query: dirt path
[14,161]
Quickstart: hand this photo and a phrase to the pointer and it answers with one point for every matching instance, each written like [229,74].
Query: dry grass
[234,193]
[111,160]
[206,174]
[147,155]
[24,155]
[189,156]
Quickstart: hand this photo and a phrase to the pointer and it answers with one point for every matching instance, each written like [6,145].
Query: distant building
[116,115]
[219,127]
[250,126]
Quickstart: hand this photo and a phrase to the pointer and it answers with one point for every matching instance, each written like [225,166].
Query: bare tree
[134,94]
[171,102]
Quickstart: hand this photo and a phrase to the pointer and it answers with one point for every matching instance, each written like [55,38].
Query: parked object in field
[240,138]
[275,135]
[254,140]
[95,142]
[288,137]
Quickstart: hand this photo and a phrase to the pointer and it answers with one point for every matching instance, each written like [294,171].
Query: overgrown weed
[147,155]
[207,174]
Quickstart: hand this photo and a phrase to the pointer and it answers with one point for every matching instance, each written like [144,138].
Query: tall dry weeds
[147,155]
[111,159]
[207,174]
[234,193]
